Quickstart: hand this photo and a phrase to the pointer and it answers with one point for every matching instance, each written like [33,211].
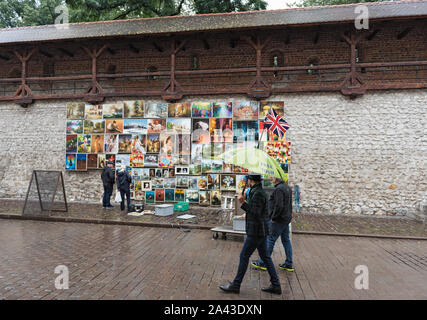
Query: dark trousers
[252,243]
[122,194]
[108,191]
[279,230]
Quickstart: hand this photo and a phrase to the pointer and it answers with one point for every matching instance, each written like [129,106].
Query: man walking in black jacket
[108,180]
[280,212]
[256,230]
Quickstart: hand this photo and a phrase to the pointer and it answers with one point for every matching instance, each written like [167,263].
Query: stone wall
[362,156]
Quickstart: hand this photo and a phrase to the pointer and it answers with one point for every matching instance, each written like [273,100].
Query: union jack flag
[275,123]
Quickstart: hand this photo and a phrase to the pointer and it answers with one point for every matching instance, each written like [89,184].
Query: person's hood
[120,173]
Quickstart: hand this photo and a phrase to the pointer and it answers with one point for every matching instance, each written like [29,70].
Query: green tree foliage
[216,6]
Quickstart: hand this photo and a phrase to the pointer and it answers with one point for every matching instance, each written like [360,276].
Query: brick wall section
[345,153]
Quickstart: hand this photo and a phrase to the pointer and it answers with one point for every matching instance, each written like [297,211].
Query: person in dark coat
[257,229]
[280,212]
[108,180]
[124,180]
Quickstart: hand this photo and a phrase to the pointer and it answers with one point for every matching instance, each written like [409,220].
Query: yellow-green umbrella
[255,160]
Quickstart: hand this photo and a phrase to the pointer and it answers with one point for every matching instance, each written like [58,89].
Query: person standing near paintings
[257,230]
[124,180]
[108,181]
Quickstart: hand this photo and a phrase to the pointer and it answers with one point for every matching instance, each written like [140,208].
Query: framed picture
[206,166]
[114,126]
[76,110]
[84,143]
[169,195]
[180,170]
[179,110]
[181,182]
[165,160]
[137,160]
[110,157]
[160,195]
[204,198]
[133,109]
[165,173]
[183,144]
[137,185]
[156,125]
[265,106]
[92,161]
[146,185]
[94,126]
[151,160]
[150,197]
[216,166]
[179,195]
[93,112]
[228,182]
[202,183]
[135,126]
[138,143]
[245,131]
[215,198]
[111,143]
[122,159]
[70,162]
[241,183]
[197,153]
[156,110]
[178,125]
[113,111]
[74,126]
[169,183]
[101,161]
[167,143]
[245,110]
[71,143]
[221,130]
[201,110]
[195,169]
[192,196]
[213,181]
[125,141]
[192,182]
[153,143]
[181,159]
[81,162]
[97,145]
[200,131]
[222,109]
[140,195]
[132,195]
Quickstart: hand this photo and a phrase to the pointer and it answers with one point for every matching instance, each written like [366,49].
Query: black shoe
[110,207]
[286,267]
[230,288]
[258,265]
[273,289]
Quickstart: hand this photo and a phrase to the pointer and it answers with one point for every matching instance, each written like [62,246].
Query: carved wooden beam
[173,90]
[23,95]
[95,92]
[353,82]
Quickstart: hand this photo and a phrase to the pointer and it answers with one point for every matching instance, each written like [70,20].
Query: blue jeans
[122,194]
[108,191]
[252,243]
[279,230]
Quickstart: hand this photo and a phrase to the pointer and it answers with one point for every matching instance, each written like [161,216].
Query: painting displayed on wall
[138,142]
[169,183]
[204,198]
[113,110]
[93,112]
[94,126]
[277,106]
[156,110]
[192,196]
[123,159]
[76,110]
[167,143]
[179,195]
[101,161]
[179,110]
[84,142]
[135,126]
[74,126]
[140,196]
[245,110]
[165,160]
[245,131]
[153,143]
[111,158]
[202,183]
[222,109]
[70,162]
[146,185]
[97,145]
[195,169]
[92,161]
[279,150]
[200,133]
[133,109]
[150,197]
[179,170]
[228,182]
[114,126]
[111,143]
[125,141]
[241,183]
[71,143]
[179,125]
[156,125]
[81,162]
[213,181]
[137,160]
[183,144]
[221,130]
[201,110]
[150,160]
[160,195]
[192,182]
[215,198]
[181,182]
[169,195]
